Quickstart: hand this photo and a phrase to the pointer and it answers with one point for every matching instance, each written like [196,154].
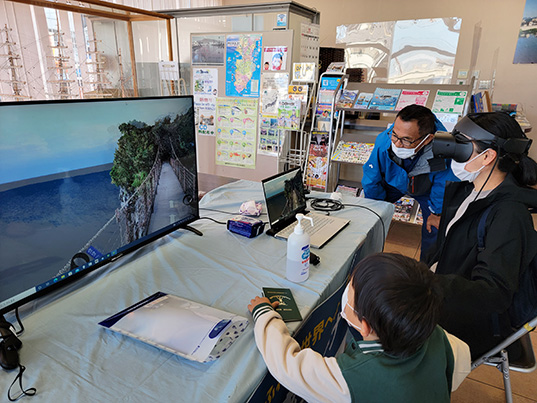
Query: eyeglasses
[404,141]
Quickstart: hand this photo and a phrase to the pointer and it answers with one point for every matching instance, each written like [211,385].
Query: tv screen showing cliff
[85,181]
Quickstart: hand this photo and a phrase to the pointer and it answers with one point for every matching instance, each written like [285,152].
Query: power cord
[212,219]
[322,204]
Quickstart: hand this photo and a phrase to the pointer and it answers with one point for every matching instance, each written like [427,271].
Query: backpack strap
[481,229]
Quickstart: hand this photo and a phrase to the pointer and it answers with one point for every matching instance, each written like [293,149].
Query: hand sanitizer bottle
[298,252]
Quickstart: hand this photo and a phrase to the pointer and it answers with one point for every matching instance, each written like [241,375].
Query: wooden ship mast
[13,66]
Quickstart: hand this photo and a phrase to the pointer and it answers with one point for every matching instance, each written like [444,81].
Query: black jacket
[479,285]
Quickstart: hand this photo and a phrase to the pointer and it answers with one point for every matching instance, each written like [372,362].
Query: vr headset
[457,145]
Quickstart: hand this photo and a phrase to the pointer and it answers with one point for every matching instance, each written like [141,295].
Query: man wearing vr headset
[490,157]
[402,163]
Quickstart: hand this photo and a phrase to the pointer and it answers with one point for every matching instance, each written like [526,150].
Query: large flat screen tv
[83,182]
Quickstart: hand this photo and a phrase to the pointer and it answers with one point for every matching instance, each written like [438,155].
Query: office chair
[526,362]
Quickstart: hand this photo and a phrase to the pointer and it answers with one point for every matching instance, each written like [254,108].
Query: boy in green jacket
[393,302]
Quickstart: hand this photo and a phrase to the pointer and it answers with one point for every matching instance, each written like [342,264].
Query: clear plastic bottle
[298,252]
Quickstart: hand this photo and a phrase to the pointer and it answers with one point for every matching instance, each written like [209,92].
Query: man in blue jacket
[402,163]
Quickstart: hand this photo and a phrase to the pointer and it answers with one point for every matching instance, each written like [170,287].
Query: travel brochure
[352,152]
[347,99]
[317,167]
[384,99]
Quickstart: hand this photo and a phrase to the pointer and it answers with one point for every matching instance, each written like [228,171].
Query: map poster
[236,132]
[270,136]
[289,114]
[273,89]
[243,65]
[205,81]
[205,111]
[449,102]
[275,58]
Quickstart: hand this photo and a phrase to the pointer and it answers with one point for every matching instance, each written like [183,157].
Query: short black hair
[399,298]
[422,115]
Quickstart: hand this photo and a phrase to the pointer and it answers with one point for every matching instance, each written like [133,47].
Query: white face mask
[344,303]
[460,171]
[405,153]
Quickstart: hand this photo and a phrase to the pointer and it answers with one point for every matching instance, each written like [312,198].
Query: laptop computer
[284,198]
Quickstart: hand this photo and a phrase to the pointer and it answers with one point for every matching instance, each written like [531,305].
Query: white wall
[500,22]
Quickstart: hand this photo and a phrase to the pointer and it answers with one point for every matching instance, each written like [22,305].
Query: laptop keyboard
[319,221]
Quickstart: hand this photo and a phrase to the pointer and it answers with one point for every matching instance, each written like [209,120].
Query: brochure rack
[359,125]
[324,122]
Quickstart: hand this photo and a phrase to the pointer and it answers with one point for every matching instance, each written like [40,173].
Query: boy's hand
[259,300]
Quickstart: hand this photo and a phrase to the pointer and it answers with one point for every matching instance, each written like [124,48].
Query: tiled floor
[485,383]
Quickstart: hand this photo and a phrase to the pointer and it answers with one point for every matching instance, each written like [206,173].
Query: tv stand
[192,229]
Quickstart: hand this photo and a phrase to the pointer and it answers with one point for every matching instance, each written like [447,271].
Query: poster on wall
[526,46]
[273,89]
[208,49]
[304,72]
[309,42]
[236,132]
[205,111]
[275,58]
[243,65]
[205,81]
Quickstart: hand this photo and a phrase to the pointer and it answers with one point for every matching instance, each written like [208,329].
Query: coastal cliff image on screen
[285,203]
[89,179]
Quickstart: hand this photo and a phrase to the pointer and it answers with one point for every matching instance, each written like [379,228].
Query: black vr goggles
[457,145]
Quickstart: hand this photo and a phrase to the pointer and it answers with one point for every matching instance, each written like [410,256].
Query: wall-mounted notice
[412,97]
[243,65]
[449,102]
[275,58]
[309,42]
[208,49]
[236,132]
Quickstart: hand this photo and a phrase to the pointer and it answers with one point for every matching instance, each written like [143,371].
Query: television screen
[83,182]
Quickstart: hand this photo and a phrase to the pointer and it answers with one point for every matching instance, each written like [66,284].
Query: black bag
[524,305]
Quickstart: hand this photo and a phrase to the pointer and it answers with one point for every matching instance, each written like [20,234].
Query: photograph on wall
[289,114]
[208,49]
[236,132]
[526,46]
[275,58]
[243,65]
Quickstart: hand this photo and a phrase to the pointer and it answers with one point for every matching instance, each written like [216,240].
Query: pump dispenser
[298,252]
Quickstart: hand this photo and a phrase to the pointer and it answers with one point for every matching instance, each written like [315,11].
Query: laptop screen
[284,197]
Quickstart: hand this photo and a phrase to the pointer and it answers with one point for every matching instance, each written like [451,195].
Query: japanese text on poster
[243,65]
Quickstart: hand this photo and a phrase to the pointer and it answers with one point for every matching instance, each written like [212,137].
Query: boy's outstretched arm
[304,372]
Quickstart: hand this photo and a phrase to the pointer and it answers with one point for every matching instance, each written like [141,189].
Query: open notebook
[191,330]
[284,198]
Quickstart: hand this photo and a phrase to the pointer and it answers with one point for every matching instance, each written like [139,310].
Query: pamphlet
[347,98]
[363,99]
[449,102]
[352,152]
[412,97]
[385,99]
[287,308]
[179,326]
